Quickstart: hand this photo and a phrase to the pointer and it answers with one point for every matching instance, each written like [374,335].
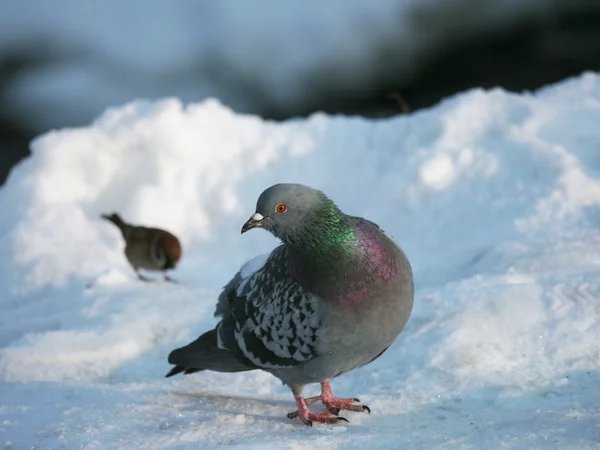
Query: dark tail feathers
[204,354]
[178,369]
[116,219]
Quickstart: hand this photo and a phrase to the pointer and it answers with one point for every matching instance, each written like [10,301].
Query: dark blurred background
[64,62]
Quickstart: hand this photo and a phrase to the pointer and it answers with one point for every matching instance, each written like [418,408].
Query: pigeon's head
[285,209]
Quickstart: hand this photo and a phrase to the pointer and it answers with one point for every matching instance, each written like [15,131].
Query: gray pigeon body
[331,298]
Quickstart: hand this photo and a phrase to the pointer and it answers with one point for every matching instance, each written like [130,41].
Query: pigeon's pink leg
[311,400]
[333,404]
[308,417]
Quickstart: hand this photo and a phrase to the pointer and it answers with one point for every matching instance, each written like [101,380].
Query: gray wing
[227,297]
[268,318]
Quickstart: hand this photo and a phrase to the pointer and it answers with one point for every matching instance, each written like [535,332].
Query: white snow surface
[253,55]
[495,198]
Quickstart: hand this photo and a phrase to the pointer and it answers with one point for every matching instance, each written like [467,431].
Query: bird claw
[337,404]
[332,415]
[332,403]
[311,418]
[332,411]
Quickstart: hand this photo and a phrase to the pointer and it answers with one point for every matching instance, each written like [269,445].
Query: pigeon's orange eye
[281,208]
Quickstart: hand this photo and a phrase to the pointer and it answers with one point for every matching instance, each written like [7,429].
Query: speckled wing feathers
[267,317]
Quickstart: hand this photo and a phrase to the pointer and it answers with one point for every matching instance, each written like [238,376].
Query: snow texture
[77,58]
[495,198]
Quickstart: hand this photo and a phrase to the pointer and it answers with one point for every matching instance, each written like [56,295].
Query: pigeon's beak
[253,222]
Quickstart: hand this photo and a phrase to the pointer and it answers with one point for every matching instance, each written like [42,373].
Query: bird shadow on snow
[237,404]
[563,414]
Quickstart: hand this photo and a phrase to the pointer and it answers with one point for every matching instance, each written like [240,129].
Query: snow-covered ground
[77,58]
[495,197]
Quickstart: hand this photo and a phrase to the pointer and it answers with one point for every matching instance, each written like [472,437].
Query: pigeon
[151,249]
[331,298]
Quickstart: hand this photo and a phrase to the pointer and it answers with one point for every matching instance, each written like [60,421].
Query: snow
[263,56]
[495,198]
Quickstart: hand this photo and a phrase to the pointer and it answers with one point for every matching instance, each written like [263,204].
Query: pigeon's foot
[335,404]
[308,417]
[332,403]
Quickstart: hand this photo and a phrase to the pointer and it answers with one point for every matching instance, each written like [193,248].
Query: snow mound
[495,198]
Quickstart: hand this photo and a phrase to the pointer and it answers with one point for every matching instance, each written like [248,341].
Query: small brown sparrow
[150,249]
